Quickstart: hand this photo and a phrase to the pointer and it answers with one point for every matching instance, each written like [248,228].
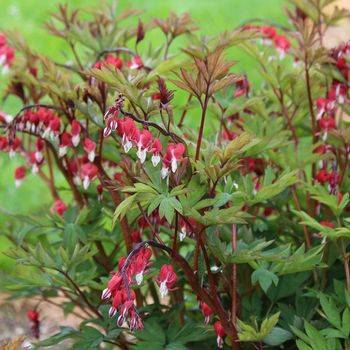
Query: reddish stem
[201,127]
[235,345]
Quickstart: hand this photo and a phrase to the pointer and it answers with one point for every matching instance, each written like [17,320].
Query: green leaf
[299,261]
[346,322]
[331,333]
[324,230]
[71,234]
[248,253]
[167,208]
[176,346]
[123,207]
[331,311]
[149,345]
[268,324]
[190,332]
[216,247]
[316,339]
[152,332]
[264,277]
[154,204]
[272,190]
[237,146]
[321,194]
[277,336]
[64,333]
[302,346]
[248,333]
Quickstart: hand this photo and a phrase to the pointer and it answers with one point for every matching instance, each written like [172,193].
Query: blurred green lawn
[28,17]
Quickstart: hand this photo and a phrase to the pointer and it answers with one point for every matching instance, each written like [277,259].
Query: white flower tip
[139,278]
[86,183]
[114,125]
[35,169]
[76,140]
[18,183]
[127,146]
[164,172]
[38,156]
[120,320]
[106,294]
[91,156]
[62,151]
[220,342]
[182,235]
[174,165]
[112,311]
[163,289]
[155,160]
[77,180]
[282,54]
[106,132]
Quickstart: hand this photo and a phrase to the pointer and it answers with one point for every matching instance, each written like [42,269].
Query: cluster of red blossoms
[326,115]
[68,140]
[46,125]
[270,36]
[131,271]
[7,54]
[131,135]
[144,142]
[337,93]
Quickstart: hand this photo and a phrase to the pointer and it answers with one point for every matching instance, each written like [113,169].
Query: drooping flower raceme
[119,287]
